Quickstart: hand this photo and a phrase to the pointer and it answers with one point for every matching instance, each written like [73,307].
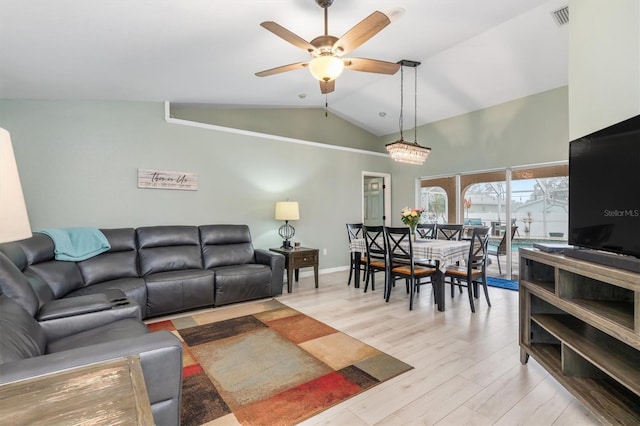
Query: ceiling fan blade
[371,65]
[287,35]
[361,32]
[283,68]
[327,86]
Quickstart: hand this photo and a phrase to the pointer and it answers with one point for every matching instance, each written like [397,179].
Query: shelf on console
[608,400]
[611,356]
[581,322]
[619,312]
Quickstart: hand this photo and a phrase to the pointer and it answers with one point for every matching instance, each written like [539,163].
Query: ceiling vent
[561,16]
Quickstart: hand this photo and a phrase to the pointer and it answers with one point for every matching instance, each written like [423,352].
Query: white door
[375,199]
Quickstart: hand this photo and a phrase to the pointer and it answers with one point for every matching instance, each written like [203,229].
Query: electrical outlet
[324,252]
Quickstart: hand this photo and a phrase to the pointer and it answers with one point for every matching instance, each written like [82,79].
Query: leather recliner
[80,336]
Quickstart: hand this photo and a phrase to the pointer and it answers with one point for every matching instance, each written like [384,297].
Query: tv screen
[604,189]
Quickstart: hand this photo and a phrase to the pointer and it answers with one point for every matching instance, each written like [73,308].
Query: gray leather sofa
[58,314]
[90,329]
[164,269]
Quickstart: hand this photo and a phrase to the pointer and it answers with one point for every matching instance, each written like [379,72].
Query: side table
[296,258]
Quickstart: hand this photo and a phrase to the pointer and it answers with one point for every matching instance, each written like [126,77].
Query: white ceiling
[474,54]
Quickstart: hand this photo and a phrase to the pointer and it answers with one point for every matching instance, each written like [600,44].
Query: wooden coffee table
[296,258]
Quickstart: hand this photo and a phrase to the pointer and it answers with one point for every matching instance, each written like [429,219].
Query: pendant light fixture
[401,150]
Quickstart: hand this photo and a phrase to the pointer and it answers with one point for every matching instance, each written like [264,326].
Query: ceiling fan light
[326,67]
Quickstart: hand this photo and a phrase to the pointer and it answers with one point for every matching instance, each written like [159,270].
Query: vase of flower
[467,206]
[411,218]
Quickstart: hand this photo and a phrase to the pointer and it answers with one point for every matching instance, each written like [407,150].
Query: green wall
[302,123]
[531,130]
[78,164]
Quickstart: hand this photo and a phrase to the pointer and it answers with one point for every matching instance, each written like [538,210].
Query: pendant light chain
[326,105]
[400,120]
[415,106]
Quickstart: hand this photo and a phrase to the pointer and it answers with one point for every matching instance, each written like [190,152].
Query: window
[434,201]
[538,206]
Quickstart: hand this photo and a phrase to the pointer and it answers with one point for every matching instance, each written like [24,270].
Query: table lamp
[14,221]
[287,210]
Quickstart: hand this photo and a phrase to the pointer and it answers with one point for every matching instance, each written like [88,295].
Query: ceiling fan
[326,51]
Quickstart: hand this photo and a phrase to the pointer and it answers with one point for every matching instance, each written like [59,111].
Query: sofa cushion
[39,248]
[16,286]
[61,277]
[178,291]
[117,330]
[120,261]
[241,282]
[224,245]
[15,254]
[168,248]
[42,289]
[20,334]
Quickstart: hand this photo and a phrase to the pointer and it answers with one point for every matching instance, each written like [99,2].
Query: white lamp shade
[326,68]
[14,221]
[287,210]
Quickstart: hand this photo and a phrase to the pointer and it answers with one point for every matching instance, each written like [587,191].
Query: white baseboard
[308,272]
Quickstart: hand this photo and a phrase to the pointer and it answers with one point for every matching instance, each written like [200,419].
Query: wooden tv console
[581,322]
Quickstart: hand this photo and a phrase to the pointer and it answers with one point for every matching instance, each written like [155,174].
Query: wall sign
[161,179]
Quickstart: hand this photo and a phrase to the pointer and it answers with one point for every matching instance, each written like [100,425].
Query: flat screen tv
[604,189]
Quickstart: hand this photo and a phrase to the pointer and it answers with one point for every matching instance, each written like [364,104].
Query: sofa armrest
[74,315]
[276,262]
[160,356]
[71,306]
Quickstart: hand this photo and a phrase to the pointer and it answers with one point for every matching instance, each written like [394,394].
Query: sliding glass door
[523,206]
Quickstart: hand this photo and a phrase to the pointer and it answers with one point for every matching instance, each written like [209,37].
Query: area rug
[265,363]
[502,283]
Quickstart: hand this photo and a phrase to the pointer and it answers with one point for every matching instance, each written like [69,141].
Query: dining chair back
[376,256]
[475,271]
[501,249]
[449,231]
[402,263]
[426,230]
[354,231]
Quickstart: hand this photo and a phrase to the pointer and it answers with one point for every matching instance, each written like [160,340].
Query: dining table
[441,252]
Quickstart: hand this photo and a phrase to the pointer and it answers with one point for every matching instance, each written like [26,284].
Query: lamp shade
[326,67]
[14,221]
[287,210]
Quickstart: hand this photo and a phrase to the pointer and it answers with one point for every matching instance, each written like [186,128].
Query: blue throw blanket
[75,244]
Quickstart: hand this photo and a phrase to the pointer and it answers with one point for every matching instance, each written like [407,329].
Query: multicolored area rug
[267,364]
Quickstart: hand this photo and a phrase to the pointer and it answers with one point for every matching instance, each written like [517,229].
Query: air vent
[561,16]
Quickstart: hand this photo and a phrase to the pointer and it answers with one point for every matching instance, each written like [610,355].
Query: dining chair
[402,264]
[501,249]
[449,231]
[475,271]
[376,256]
[426,230]
[354,231]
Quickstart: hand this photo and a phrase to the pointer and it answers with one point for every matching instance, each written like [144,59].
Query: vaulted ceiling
[473,54]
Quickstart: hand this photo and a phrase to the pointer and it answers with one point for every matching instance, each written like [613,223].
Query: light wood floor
[467,368]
